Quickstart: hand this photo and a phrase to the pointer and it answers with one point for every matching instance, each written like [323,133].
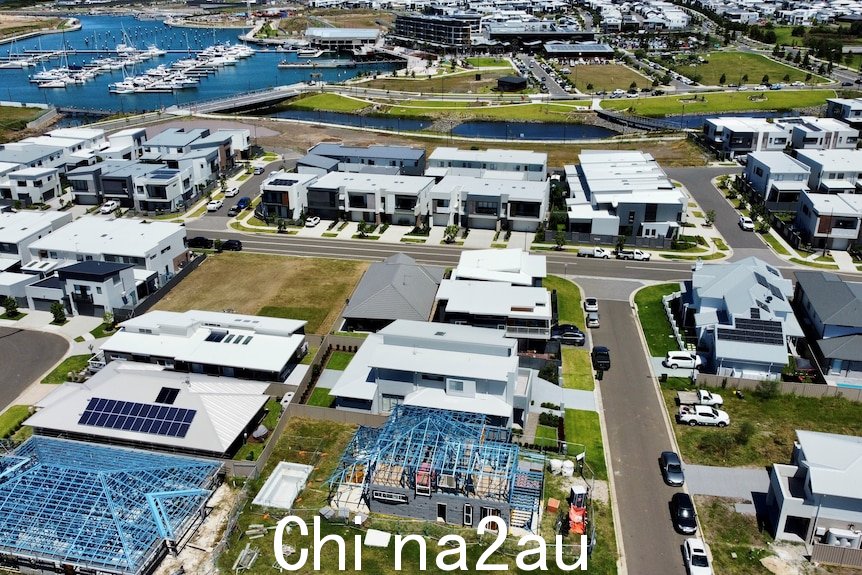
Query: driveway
[750,485]
[25,355]
[637,433]
[545,391]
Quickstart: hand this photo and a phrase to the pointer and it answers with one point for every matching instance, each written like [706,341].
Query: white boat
[53,84]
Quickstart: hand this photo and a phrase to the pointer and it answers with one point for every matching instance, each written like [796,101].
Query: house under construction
[439,465]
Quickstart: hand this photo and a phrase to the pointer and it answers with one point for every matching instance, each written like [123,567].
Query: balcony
[529,332]
[79,297]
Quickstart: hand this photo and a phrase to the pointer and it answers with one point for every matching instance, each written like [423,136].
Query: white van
[682,360]
[593,319]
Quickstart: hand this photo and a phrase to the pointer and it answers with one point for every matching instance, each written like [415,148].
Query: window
[98,290]
[486,208]
[758,171]
[431,377]
[388,402]
[389,497]
[454,385]
[358,201]
[468,515]
[631,217]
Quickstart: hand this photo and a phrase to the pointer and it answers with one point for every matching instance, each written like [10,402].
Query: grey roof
[366,169]
[397,288]
[176,137]
[834,462]
[847,347]
[316,161]
[373,151]
[835,301]
[28,153]
[582,47]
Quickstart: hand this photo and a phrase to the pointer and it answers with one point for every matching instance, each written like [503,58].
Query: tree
[829,67]
[722,80]
[776,50]
[560,239]
[281,225]
[59,312]
[621,243]
[786,78]
[633,86]
[108,319]
[449,233]
[222,183]
[744,78]
[806,60]
[589,87]
[362,228]
[798,57]
[217,245]
[710,217]
[808,77]
[11,305]
[765,79]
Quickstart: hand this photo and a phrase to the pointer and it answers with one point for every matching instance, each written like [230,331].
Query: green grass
[484,62]
[250,451]
[546,436]
[339,360]
[734,64]
[312,349]
[719,244]
[577,369]
[10,420]
[721,102]
[774,420]
[458,83]
[606,77]
[412,241]
[13,118]
[315,316]
[79,339]
[320,398]
[72,363]
[729,532]
[655,325]
[101,331]
[814,264]
[712,256]
[583,427]
[18,315]
[569,306]
[329,234]
[327,102]
[529,112]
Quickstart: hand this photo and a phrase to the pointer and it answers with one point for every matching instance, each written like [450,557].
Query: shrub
[767,389]
[11,305]
[549,405]
[550,372]
[59,312]
[549,419]
[745,432]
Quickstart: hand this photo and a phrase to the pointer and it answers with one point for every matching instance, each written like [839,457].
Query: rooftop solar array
[754,331]
[137,417]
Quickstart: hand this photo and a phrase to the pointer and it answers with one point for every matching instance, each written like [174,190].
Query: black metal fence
[610,240]
[122,314]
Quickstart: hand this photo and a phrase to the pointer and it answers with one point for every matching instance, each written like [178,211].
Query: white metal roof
[17,226]
[779,162]
[97,235]
[437,398]
[513,266]
[834,462]
[495,299]
[343,33]
[491,155]
[515,190]
[363,182]
[833,160]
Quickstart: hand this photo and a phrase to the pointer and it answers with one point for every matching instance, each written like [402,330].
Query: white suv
[682,360]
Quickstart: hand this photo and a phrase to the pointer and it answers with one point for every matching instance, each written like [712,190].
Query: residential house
[848,110]
[831,309]
[17,231]
[833,171]
[830,221]
[109,180]
[396,288]
[172,145]
[164,190]
[90,288]
[407,160]
[439,365]
[815,498]
[731,137]
[374,198]
[776,177]
[490,203]
[741,313]
[285,195]
[443,161]
[126,144]
[511,266]
[212,343]
[810,133]
[34,185]
[195,414]
[32,155]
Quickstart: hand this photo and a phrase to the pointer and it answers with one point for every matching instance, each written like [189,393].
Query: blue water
[848,386]
[105,32]
[531,131]
[376,122]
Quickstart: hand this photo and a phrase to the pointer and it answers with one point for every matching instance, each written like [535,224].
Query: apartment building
[444,161]
[489,203]
[434,32]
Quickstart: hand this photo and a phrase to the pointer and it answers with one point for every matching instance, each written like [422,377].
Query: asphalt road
[637,434]
[20,365]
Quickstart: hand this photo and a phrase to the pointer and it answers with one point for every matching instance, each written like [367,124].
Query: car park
[568,334]
[746,223]
[684,516]
[200,242]
[231,246]
[109,207]
[311,221]
[696,557]
[591,304]
[231,192]
[214,205]
[671,468]
[601,358]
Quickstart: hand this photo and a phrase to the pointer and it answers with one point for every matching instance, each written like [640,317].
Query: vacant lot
[721,102]
[733,65]
[354,18]
[594,77]
[311,289]
[13,119]
[504,112]
[463,83]
[326,102]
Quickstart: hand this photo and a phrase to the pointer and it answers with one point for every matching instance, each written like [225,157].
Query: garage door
[42,304]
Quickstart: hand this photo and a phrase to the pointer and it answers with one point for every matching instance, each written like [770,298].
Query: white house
[776,177]
[285,195]
[362,197]
[732,137]
[165,189]
[848,110]
[489,202]
[444,161]
[126,144]
[440,365]
[833,171]
[19,229]
[511,266]
[831,221]
[90,288]
[35,185]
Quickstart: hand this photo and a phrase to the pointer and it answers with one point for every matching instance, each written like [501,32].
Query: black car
[568,334]
[671,468]
[233,211]
[684,517]
[846,84]
[231,246]
[601,357]
[201,242]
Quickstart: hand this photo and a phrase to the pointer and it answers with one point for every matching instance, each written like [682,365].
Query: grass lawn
[583,427]
[251,451]
[730,532]
[606,77]
[734,64]
[577,369]
[546,436]
[327,102]
[320,397]
[341,18]
[656,327]
[659,106]
[339,360]
[459,83]
[773,422]
[101,331]
[18,315]
[569,305]
[10,420]
[814,264]
[312,349]
[485,62]
[505,112]
[311,289]
[13,119]
[71,363]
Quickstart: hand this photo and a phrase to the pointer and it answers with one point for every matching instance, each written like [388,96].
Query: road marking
[657,268]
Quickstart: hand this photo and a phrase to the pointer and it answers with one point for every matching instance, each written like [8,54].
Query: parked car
[243,203]
[568,334]
[214,205]
[234,210]
[109,207]
[200,242]
[603,253]
[591,304]
[258,170]
[761,88]
[699,397]
[311,221]
[231,192]
[702,415]
[846,84]
[593,320]
[696,557]
[601,357]
[671,469]
[231,246]
[637,255]
[684,517]
[681,359]
[746,223]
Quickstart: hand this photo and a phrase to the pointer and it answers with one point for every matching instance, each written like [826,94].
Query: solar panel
[755,312]
[750,336]
[167,395]
[140,417]
[765,325]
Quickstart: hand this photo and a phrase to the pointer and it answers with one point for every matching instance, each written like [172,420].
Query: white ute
[702,415]
[636,255]
[699,397]
[594,253]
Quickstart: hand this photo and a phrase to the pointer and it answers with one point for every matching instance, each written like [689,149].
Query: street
[20,365]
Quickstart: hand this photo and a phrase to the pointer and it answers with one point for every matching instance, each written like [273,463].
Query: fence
[665,300]
[43,120]
[785,387]
[610,240]
[335,415]
[836,555]
[156,296]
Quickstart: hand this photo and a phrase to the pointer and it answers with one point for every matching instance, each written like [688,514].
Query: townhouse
[126,144]
[109,180]
[89,287]
[848,110]
[776,177]
[30,186]
[532,166]
[512,266]
[833,171]
[731,137]
[326,157]
[285,195]
[829,221]
[488,202]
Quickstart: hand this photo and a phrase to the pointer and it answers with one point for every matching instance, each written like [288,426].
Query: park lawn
[458,83]
[653,320]
[320,398]
[486,62]
[569,308]
[11,419]
[734,64]
[72,363]
[784,37]
[102,330]
[577,369]
[339,360]
[583,427]
[311,289]
[606,77]
[546,436]
[14,118]
[513,112]
[326,102]
[721,102]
